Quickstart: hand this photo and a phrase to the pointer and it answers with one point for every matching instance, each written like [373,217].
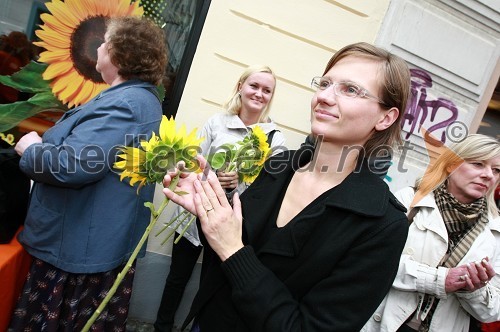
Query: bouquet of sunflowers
[247,156]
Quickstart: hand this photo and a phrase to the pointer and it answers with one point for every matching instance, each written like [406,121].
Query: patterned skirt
[55,300]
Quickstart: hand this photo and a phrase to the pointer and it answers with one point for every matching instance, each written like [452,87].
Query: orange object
[15,263]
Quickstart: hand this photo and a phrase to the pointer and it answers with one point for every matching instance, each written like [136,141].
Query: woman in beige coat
[447,269]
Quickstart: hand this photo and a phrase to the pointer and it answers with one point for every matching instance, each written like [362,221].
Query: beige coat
[417,274]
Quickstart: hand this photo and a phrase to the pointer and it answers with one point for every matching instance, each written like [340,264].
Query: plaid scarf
[464,222]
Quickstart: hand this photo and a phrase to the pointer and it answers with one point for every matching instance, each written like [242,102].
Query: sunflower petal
[83,95]
[78,9]
[49,47]
[89,5]
[53,38]
[100,8]
[59,9]
[57,69]
[53,56]
[53,23]
[97,88]
[121,9]
[73,88]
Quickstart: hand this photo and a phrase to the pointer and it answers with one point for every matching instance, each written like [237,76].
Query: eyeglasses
[343,89]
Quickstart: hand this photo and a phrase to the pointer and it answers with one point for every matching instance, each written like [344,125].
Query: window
[183,22]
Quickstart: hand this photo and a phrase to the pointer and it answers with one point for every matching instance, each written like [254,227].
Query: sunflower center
[86,38]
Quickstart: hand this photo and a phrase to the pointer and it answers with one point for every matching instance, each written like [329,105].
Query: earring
[239,94]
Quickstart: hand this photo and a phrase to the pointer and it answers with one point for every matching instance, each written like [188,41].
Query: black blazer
[327,270]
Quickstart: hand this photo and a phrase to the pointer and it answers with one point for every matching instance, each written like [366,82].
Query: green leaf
[217,160]
[12,114]
[28,79]
[151,208]
[181,193]
[228,147]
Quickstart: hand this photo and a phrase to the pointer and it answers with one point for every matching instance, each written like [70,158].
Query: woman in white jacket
[447,269]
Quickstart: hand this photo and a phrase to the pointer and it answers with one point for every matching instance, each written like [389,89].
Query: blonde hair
[475,147]
[233,105]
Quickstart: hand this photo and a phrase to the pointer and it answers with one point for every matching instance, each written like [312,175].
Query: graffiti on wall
[437,114]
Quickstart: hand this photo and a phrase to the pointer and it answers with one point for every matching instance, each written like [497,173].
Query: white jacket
[417,274]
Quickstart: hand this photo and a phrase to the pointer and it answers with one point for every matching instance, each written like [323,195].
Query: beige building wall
[295,38]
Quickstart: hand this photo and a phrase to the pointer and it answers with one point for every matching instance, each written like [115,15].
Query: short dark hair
[137,47]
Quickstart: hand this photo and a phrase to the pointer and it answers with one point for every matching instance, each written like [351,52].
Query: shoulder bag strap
[270,136]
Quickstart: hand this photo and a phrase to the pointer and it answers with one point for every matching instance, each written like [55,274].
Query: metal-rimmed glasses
[343,89]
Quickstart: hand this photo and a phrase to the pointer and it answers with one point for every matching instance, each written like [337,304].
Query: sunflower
[150,162]
[71,34]
[255,156]
[259,139]
[247,156]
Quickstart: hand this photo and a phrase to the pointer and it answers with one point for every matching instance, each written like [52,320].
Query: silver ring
[463,278]
[208,210]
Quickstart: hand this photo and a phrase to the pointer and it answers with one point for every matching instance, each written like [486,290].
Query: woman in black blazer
[314,243]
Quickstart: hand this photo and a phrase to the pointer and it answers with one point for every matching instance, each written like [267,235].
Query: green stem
[233,162]
[185,229]
[170,223]
[130,261]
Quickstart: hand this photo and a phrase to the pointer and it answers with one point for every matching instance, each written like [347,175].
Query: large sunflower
[149,163]
[71,35]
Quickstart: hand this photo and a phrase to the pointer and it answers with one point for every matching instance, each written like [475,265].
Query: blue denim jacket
[81,218]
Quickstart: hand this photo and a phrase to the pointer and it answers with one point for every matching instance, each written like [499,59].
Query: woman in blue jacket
[83,223]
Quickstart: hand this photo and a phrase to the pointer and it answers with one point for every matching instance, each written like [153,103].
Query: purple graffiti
[419,108]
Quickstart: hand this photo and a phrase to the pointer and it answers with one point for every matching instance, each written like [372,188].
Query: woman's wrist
[226,253]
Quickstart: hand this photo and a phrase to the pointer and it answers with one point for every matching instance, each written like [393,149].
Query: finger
[237,207]
[468,282]
[200,210]
[204,166]
[201,192]
[177,199]
[215,192]
[219,191]
[167,179]
[490,271]
[203,162]
[481,271]
[473,275]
